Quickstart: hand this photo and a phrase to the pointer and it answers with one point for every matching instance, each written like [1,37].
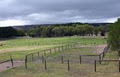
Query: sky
[26,12]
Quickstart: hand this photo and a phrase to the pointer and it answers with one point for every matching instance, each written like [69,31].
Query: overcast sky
[20,12]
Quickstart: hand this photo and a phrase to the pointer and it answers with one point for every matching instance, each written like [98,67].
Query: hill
[27,27]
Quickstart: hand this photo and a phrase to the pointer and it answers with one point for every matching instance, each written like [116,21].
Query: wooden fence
[46,53]
[95,64]
[102,55]
[10,60]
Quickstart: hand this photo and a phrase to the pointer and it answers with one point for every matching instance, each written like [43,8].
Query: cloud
[11,23]
[59,11]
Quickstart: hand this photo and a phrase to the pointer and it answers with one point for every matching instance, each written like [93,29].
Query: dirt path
[8,65]
[100,48]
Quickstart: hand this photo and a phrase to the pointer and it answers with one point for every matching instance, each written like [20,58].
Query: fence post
[80,58]
[62,47]
[68,65]
[42,59]
[11,60]
[32,57]
[100,58]
[95,66]
[55,50]
[45,65]
[62,59]
[119,65]
[50,51]
[26,61]
[103,54]
[38,55]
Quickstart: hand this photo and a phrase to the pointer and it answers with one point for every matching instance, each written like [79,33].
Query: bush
[114,36]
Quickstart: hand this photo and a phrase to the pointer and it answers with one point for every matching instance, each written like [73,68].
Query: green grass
[109,66]
[52,41]
[18,48]
[20,54]
[56,69]
[59,70]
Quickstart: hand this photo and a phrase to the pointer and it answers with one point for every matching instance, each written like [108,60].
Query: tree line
[59,31]
[56,31]
[7,32]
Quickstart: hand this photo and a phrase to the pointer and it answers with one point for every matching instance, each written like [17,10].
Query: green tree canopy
[6,32]
[114,36]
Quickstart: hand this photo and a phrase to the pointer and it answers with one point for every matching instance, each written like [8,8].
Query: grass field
[56,69]
[18,48]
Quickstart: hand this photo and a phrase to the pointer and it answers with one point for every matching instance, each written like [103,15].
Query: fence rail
[104,52]
[5,61]
[46,53]
[66,59]
[10,60]
[95,63]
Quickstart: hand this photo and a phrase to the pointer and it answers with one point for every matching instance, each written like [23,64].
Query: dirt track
[8,65]
[100,48]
